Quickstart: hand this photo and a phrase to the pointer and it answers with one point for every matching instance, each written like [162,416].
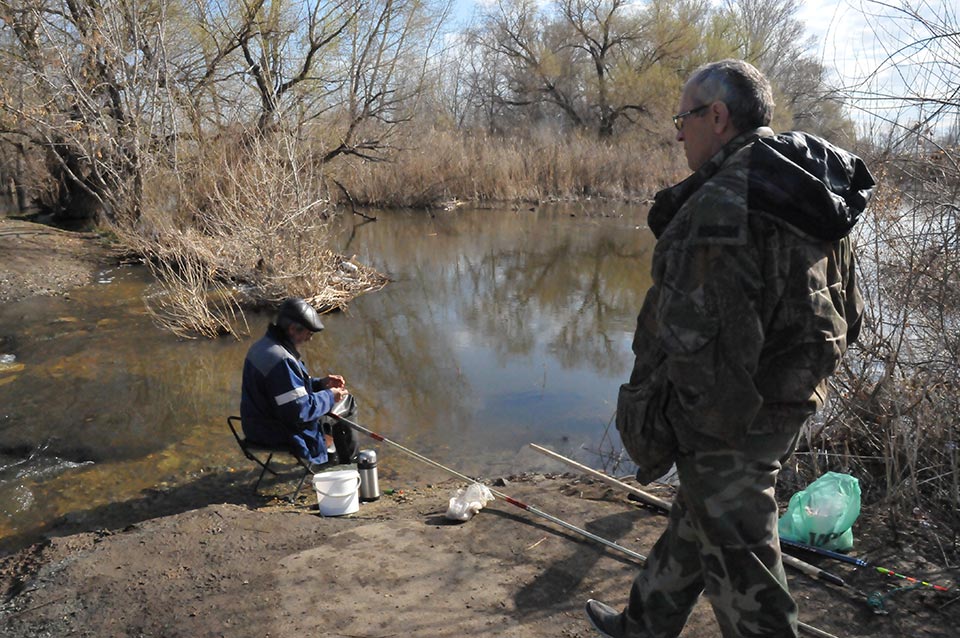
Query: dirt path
[396,568]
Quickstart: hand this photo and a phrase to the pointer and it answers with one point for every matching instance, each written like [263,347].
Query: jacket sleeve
[293,396]
[711,332]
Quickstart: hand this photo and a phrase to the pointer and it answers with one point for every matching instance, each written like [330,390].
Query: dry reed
[440,166]
[248,227]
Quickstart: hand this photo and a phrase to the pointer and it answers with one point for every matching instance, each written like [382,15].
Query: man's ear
[719,116]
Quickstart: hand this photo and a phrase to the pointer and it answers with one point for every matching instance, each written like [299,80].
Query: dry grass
[247,226]
[442,166]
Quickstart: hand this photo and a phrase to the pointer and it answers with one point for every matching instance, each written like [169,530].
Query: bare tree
[626,45]
[148,116]
[600,63]
[539,66]
[90,97]
[383,60]
[269,37]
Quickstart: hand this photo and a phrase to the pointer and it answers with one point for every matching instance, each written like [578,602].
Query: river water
[499,328]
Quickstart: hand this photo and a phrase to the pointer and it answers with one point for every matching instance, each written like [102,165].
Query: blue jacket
[279,405]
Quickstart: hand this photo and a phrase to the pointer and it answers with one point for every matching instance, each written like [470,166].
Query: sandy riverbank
[41,260]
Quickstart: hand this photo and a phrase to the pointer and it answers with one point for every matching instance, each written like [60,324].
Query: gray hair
[740,86]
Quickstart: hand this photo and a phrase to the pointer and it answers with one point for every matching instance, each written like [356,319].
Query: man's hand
[339,393]
[333,381]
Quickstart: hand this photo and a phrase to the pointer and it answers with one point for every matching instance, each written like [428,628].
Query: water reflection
[500,328]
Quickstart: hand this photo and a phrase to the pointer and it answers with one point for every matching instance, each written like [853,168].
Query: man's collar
[280,336]
[668,201]
[747,137]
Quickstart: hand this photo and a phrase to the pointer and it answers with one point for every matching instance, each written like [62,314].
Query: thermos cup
[369,483]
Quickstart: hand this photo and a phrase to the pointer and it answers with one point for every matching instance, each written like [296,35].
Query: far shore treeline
[190,131]
[148,116]
[216,139]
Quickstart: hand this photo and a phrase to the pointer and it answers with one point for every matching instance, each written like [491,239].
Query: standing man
[754,300]
[281,404]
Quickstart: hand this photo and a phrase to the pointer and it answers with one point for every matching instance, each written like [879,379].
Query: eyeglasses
[678,118]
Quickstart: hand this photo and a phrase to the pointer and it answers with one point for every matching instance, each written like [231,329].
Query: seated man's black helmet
[296,310]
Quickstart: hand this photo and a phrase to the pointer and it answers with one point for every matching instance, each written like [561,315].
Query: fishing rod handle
[824,552]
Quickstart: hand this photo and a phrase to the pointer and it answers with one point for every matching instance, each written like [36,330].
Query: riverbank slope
[36,259]
[397,567]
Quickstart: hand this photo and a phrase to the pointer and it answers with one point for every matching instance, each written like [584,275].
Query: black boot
[611,623]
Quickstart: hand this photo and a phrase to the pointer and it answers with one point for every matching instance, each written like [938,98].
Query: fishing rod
[813,631]
[508,499]
[664,507]
[859,562]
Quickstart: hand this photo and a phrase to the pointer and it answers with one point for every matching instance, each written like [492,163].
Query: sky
[845,35]
[825,19]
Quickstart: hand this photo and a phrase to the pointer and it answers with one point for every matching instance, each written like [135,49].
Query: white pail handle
[319,491]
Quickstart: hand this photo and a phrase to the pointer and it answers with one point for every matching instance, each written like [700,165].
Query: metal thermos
[369,484]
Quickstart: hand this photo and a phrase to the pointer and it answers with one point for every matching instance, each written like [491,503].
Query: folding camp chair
[255,451]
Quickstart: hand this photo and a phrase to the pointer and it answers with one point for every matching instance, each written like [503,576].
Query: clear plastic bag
[823,514]
[468,501]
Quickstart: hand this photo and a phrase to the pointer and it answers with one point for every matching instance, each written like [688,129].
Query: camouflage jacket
[754,296]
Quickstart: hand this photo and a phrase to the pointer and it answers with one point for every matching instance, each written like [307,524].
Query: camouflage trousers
[721,540]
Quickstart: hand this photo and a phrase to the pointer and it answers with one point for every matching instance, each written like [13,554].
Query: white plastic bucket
[337,492]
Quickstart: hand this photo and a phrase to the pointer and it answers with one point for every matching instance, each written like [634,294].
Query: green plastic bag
[823,514]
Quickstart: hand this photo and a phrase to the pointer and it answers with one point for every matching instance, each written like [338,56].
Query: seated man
[281,404]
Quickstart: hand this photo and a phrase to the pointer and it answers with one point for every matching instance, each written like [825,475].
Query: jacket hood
[809,183]
[800,178]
